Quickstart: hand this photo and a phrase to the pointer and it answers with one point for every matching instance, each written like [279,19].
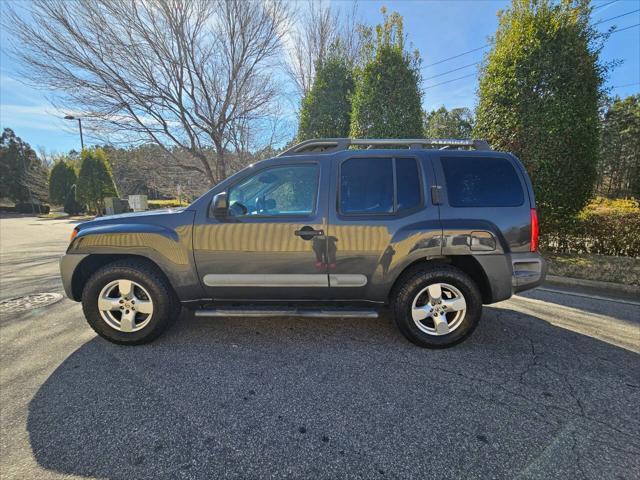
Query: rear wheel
[129,302]
[437,307]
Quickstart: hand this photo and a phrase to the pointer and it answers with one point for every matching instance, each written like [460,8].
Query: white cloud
[41,117]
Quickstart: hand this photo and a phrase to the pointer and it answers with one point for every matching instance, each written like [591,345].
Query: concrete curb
[607,286]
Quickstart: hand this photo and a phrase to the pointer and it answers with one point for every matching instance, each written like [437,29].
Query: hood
[132,217]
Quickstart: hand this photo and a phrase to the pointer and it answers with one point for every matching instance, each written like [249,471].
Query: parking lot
[547,387]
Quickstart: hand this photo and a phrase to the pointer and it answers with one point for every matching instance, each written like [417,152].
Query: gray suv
[433,229]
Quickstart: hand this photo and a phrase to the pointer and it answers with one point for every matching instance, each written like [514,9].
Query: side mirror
[220,205]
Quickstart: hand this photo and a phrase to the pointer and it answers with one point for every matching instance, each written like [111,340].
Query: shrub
[605,227]
[28,207]
[71,205]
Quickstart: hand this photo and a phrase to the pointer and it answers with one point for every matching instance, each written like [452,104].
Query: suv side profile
[433,229]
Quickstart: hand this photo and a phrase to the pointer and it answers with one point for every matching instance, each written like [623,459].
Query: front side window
[367,185]
[287,190]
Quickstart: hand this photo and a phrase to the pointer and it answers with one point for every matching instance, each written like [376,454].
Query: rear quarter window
[481,182]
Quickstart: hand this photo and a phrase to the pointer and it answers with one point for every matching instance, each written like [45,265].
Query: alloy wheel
[438,309]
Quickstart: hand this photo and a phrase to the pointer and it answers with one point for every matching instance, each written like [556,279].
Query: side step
[287,312]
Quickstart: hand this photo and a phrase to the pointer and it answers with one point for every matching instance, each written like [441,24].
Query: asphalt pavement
[547,387]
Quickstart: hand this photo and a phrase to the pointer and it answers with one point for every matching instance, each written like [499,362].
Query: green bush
[71,205]
[605,227]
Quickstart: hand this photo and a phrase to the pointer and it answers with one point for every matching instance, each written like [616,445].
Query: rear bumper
[529,271]
[68,265]
[512,273]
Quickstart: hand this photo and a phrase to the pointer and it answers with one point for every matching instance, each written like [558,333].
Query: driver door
[271,244]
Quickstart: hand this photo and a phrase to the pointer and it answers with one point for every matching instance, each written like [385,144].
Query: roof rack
[330,145]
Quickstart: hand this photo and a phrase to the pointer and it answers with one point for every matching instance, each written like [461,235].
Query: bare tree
[183,74]
[320,28]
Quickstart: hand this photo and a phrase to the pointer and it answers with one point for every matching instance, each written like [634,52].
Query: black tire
[166,306]
[413,283]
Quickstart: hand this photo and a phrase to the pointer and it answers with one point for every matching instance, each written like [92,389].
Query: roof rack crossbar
[330,145]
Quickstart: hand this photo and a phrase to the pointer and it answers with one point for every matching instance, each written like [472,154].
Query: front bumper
[68,265]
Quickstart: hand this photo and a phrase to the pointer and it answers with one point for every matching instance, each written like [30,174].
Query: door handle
[307,233]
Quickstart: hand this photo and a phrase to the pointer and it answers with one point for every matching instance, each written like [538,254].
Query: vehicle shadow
[305,398]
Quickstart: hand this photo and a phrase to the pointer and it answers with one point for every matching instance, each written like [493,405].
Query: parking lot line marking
[586,295]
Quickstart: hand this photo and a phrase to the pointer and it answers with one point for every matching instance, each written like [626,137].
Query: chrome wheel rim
[438,309]
[125,305]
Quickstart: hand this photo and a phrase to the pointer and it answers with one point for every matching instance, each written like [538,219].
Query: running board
[287,312]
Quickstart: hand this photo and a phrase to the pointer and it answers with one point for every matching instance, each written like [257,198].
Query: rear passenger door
[484,203]
[380,218]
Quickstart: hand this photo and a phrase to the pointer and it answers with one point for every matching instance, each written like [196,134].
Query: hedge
[604,227]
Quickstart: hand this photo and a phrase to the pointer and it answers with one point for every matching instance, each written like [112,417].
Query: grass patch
[604,268]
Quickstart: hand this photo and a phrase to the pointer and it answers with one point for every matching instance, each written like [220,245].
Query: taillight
[74,234]
[535,230]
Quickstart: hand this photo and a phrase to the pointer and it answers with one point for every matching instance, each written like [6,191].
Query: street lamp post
[71,117]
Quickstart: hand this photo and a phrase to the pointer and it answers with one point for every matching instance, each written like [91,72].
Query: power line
[449,71]
[604,4]
[489,44]
[456,56]
[449,81]
[477,63]
[625,28]
[617,16]
[626,85]
[472,74]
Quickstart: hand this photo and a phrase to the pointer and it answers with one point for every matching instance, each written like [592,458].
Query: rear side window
[368,185]
[408,180]
[482,182]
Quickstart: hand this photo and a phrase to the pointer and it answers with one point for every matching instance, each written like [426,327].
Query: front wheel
[437,307]
[129,302]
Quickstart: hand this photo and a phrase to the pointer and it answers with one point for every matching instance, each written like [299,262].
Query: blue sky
[439,29]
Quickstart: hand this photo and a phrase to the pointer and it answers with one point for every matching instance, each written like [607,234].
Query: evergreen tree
[326,108]
[539,91]
[454,123]
[94,180]
[387,100]
[23,176]
[619,166]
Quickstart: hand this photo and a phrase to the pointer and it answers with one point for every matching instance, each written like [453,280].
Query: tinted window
[408,183]
[289,190]
[366,185]
[481,182]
